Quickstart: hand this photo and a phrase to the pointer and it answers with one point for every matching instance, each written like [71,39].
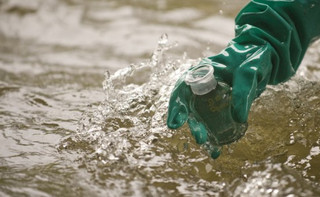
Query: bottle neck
[201,79]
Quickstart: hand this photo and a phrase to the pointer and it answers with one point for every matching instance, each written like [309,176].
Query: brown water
[73,126]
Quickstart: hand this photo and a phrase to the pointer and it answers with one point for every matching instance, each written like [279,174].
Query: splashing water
[115,142]
[132,116]
[128,150]
[127,132]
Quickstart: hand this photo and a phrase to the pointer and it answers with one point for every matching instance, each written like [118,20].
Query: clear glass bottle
[212,104]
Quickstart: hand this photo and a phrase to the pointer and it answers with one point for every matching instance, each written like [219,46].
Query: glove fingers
[178,111]
[177,116]
[198,130]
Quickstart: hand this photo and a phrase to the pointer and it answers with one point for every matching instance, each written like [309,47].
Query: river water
[84,90]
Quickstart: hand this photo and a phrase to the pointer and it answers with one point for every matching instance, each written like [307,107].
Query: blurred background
[62,135]
[111,34]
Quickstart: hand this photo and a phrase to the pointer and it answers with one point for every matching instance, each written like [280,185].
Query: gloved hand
[271,40]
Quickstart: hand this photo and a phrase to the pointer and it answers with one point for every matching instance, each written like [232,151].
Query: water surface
[84,91]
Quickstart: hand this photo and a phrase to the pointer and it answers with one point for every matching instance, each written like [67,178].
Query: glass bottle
[212,105]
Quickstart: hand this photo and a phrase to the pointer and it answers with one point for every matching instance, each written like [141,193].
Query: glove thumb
[178,110]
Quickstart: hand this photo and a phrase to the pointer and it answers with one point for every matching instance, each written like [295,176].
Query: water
[84,90]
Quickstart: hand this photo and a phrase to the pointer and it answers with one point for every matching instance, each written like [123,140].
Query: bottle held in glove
[212,104]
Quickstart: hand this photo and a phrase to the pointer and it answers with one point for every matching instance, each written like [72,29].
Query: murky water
[84,91]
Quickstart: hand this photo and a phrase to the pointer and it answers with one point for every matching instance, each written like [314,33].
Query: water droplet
[107,74]
[315,151]
[291,139]
[163,39]
[208,168]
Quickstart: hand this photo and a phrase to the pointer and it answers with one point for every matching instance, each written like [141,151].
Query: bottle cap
[201,79]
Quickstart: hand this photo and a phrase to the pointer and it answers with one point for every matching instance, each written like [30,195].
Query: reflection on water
[63,133]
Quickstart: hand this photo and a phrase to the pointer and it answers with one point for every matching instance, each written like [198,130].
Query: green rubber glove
[271,39]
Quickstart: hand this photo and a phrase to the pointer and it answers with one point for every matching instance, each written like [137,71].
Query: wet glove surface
[271,40]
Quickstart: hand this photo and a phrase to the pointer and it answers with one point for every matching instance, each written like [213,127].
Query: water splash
[132,115]
[136,101]
[125,139]
[270,179]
